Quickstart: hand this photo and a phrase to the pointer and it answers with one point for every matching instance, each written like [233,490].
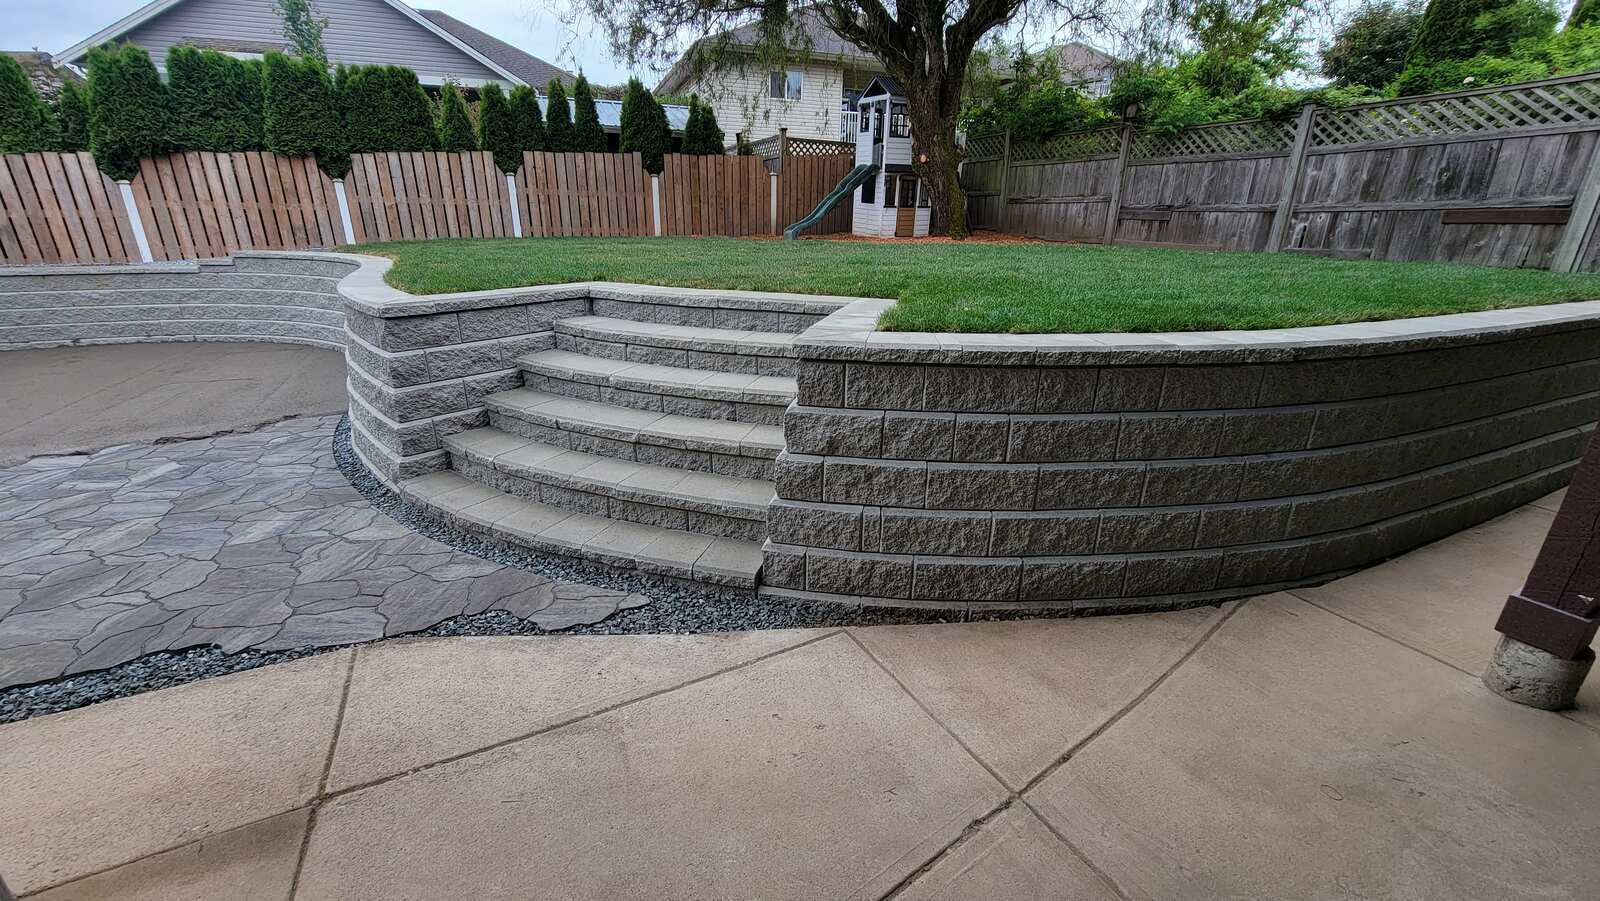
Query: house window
[869,190]
[899,122]
[785,85]
[908,191]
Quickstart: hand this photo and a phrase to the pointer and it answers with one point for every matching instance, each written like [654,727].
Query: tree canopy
[644,126]
[586,131]
[558,118]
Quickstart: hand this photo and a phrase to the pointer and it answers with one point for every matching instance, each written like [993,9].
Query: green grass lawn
[999,287]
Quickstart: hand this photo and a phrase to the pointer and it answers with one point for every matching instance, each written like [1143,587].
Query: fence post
[1005,182]
[1114,211]
[655,202]
[1291,177]
[516,214]
[344,211]
[783,166]
[1575,237]
[135,221]
[772,209]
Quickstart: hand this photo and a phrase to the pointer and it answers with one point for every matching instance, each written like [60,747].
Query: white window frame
[780,82]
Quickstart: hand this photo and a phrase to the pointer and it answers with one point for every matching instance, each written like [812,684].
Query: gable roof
[881,85]
[808,35]
[156,7]
[530,69]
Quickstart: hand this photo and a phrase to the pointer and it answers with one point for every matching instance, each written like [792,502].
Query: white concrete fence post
[135,221]
[772,207]
[655,202]
[344,211]
[516,215]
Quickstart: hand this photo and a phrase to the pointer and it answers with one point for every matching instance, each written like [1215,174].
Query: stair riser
[705,317]
[748,364]
[733,411]
[581,501]
[734,465]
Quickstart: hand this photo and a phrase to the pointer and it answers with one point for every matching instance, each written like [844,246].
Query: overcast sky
[54,25]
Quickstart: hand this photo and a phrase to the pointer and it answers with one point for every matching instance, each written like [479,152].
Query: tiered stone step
[520,522]
[721,350]
[733,396]
[740,449]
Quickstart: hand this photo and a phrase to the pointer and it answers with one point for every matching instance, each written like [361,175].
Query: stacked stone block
[981,472]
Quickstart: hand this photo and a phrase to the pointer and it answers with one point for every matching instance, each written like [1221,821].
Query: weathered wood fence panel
[802,183]
[1488,176]
[715,195]
[58,208]
[202,205]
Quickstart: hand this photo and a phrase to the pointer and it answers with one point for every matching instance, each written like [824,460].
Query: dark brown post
[1543,654]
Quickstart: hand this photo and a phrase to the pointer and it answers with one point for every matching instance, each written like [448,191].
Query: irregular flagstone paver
[252,540]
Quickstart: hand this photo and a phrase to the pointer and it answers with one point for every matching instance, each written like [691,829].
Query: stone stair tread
[710,340]
[651,549]
[628,424]
[642,482]
[658,379]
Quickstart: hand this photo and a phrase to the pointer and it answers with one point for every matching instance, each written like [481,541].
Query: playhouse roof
[882,84]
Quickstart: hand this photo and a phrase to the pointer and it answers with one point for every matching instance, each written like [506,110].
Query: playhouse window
[899,122]
[785,85]
[866,119]
[869,190]
[922,194]
[908,191]
[888,191]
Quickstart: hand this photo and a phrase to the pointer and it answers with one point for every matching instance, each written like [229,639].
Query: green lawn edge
[988,287]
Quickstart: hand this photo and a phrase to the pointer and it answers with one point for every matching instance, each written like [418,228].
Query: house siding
[739,97]
[360,32]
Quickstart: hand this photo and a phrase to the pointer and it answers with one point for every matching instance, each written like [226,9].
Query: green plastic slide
[852,180]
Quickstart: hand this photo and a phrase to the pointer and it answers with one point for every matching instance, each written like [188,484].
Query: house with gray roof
[813,93]
[436,46]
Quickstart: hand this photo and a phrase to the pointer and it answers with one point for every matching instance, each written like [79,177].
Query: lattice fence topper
[1537,105]
[986,147]
[815,147]
[1245,136]
[1098,142]
[766,148]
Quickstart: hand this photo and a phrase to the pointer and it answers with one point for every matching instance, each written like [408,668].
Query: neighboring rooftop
[47,77]
[531,69]
[808,35]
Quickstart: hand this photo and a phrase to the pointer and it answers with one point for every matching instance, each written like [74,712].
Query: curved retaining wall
[1116,472]
[283,297]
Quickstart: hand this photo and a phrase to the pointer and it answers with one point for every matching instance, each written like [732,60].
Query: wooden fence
[1504,176]
[58,208]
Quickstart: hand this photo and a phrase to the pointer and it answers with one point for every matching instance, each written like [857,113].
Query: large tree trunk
[933,131]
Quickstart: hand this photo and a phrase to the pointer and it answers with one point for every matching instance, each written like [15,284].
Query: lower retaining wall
[1120,472]
[292,298]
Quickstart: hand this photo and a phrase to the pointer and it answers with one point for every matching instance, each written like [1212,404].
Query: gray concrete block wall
[265,297]
[1058,474]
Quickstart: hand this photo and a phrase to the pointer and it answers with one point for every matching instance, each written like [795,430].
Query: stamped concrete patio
[1330,742]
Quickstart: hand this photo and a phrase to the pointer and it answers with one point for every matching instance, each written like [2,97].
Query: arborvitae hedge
[525,116]
[1447,31]
[301,117]
[586,131]
[558,118]
[129,113]
[385,109]
[644,127]
[453,123]
[216,100]
[26,125]
[1584,12]
[701,134]
[72,116]
[497,132]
